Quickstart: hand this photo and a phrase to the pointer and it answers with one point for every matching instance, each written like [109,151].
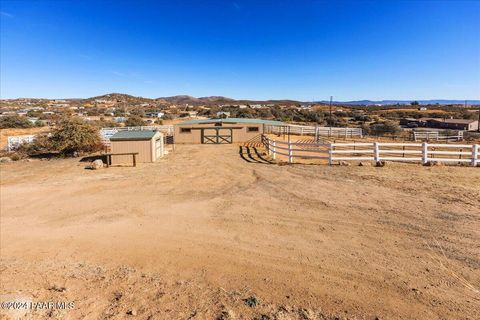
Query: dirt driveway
[210,232]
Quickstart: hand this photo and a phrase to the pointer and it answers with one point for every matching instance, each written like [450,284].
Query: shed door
[216,136]
[158,148]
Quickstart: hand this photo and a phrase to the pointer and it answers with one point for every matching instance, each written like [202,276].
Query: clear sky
[241,49]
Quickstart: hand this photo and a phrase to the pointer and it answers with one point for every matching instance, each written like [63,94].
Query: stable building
[147,144]
[221,131]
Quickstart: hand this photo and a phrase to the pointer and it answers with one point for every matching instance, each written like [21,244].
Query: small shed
[147,143]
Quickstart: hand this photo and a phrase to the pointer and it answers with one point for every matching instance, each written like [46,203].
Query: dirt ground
[214,232]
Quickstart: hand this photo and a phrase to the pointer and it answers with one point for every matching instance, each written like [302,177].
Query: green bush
[41,144]
[387,127]
[134,121]
[14,121]
[75,135]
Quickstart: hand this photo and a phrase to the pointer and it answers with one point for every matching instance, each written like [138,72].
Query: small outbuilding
[147,143]
[221,131]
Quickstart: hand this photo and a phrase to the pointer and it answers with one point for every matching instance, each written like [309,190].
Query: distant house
[422,109]
[155,114]
[119,119]
[439,123]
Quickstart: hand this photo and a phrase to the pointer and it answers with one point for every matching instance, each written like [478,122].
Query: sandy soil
[197,234]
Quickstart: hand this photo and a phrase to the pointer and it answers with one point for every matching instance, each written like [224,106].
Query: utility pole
[478,125]
[331,97]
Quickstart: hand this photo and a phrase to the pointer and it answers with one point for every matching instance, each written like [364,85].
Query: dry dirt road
[207,234]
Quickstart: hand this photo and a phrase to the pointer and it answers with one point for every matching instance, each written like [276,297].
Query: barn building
[147,143]
[220,131]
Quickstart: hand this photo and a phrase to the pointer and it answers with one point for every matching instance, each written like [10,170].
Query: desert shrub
[387,127]
[16,156]
[41,144]
[75,135]
[167,116]
[14,121]
[134,121]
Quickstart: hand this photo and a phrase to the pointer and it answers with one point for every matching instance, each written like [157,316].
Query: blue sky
[241,49]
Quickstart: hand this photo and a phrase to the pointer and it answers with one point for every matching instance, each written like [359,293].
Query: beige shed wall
[239,132]
[144,149]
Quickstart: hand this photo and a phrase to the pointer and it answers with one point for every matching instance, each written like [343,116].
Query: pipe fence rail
[374,151]
[437,136]
[315,131]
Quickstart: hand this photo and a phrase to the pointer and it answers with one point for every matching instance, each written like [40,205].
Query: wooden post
[290,152]
[475,154]
[424,152]
[274,150]
[316,132]
[134,160]
[376,154]
[330,153]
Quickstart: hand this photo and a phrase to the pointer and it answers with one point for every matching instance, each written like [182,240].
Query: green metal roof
[133,135]
[231,120]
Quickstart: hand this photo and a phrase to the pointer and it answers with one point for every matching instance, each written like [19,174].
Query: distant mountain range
[393,102]
[219,100]
[185,99]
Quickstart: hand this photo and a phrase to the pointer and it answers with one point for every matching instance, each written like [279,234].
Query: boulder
[97,164]
[5,159]
[344,163]
[433,163]
[364,164]
[380,164]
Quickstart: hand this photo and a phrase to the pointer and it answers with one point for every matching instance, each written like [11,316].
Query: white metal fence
[14,142]
[374,151]
[436,136]
[315,131]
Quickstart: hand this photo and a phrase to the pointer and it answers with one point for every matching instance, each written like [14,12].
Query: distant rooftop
[462,121]
[133,135]
[232,120]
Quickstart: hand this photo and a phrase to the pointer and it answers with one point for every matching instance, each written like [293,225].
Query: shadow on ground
[253,155]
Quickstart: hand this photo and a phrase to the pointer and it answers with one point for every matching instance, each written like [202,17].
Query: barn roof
[231,120]
[133,135]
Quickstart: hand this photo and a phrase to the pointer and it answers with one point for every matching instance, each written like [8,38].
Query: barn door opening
[216,136]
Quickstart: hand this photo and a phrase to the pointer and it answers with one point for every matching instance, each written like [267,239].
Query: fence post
[316,132]
[424,152]
[274,150]
[330,153]
[290,152]
[475,154]
[376,151]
